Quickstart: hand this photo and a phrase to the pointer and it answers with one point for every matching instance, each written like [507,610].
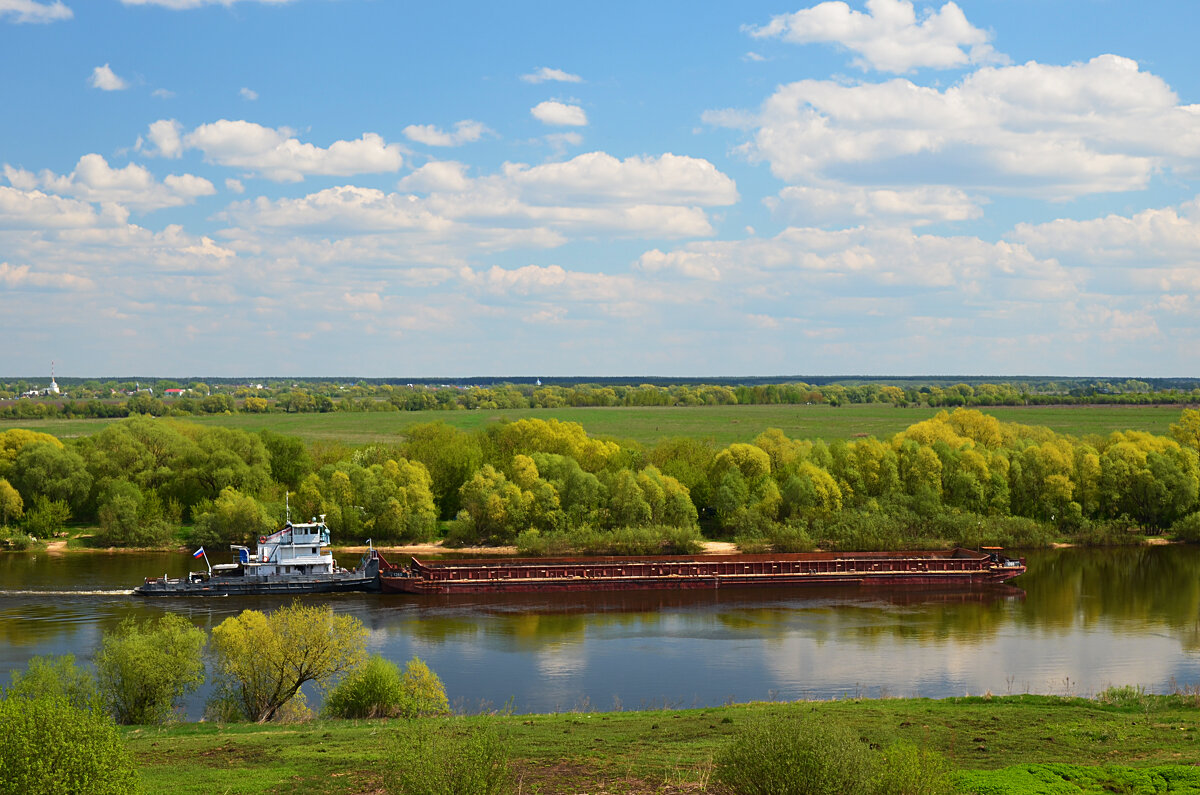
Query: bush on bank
[53,748]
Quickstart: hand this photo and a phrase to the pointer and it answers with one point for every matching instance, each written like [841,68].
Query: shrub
[145,669]
[796,756]
[56,677]
[455,758]
[1126,696]
[1187,529]
[908,770]
[51,747]
[46,517]
[379,690]
[422,690]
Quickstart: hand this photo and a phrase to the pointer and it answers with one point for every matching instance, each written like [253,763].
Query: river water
[1079,621]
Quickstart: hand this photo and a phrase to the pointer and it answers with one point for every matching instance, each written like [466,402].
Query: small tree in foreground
[794,756]
[146,669]
[53,748]
[57,677]
[379,690]
[262,660]
[452,758]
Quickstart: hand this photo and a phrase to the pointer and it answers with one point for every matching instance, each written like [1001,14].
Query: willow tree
[263,659]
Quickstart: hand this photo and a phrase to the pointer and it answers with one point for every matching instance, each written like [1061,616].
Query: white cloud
[919,206]
[520,206]
[248,94]
[600,177]
[802,260]
[164,135]
[559,114]
[278,156]
[93,180]
[234,185]
[1155,237]
[888,37]
[1050,131]
[16,277]
[162,93]
[20,11]
[33,209]
[545,74]
[105,79]
[182,5]
[466,131]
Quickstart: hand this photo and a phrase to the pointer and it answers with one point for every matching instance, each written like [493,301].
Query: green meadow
[722,424]
[998,745]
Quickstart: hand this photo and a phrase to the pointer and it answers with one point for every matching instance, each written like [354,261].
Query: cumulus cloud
[521,205]
[1156,237]
[598,176]
[1049,131]
[105,79]
[273,153]
[801,259]
[559,114]
[164,138]
[888,37]
[248,94]
[466,131]
[183,5]
[918,206]
[30,11]
[16,277]
[545,74]
[278,156]
[34,209]
[94,180]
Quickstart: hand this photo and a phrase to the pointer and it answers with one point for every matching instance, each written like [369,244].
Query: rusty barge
[959,568]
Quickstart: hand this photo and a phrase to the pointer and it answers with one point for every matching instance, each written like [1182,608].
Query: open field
[722,424]
[1014,744]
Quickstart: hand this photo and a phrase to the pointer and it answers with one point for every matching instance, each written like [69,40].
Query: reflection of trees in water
[1142,586]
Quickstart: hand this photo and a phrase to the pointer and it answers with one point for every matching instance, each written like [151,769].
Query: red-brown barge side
[956,567]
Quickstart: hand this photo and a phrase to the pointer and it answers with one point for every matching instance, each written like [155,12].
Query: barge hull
[958,569]
[275,586]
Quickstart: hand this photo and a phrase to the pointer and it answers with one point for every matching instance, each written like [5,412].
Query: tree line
[547,486]
[91,399]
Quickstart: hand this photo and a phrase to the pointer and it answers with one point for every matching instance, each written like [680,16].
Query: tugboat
[289,561]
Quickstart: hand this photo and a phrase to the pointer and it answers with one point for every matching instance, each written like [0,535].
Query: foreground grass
[723,424]
[1013,744]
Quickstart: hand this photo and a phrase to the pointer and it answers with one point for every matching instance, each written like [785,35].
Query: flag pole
[206,563]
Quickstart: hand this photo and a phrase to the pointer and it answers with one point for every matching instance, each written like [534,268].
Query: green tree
[145,669]
[261,660]
[379,690]
[11,505]
[52,471]
[47,517]
[451,457]
[290,461]
[234,518]
[56,677]
[51,747]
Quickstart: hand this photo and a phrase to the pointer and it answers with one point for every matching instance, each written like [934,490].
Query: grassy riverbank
[1122,741]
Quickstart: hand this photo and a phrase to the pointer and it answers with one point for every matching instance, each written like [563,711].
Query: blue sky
[364,187]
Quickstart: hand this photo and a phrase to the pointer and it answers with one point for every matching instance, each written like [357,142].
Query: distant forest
[123,397]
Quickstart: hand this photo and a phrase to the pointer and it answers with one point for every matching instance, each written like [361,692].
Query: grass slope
[1013,744]
[722,424]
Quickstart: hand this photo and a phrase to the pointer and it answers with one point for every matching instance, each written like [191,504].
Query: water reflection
[1080,620]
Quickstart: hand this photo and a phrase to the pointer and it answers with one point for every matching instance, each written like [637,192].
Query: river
[1080,620]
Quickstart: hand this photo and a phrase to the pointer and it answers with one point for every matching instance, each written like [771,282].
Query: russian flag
[198,552]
